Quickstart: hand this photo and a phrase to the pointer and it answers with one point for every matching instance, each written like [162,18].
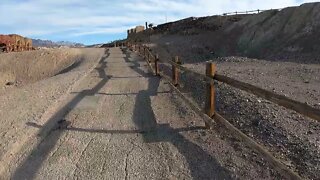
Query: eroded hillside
[290,33]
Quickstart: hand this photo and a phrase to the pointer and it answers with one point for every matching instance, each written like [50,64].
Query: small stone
[310,132]
[9,83]
[274,115]
[203,133]
[63,124]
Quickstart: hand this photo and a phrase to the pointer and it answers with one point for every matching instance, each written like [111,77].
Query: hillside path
[120,122]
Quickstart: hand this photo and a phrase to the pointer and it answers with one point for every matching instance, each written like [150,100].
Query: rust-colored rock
[28,44]
[6,43]
[14,42]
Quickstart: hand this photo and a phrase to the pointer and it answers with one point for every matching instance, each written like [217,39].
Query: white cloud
[75,18]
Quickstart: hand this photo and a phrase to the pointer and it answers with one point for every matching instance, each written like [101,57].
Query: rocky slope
[288,34]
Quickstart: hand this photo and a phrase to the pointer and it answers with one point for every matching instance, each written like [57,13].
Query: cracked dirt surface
[122,122]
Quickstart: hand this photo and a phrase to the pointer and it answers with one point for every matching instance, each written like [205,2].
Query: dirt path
[121,122]
[113,130]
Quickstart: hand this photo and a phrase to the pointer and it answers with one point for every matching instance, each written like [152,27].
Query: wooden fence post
[175,73]
[210,104]
[156,64]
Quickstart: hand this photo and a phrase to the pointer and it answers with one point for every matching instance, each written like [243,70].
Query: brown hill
[290,33]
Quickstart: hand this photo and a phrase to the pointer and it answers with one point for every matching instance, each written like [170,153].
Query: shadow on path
[201,164]
[29,168]
[130,131]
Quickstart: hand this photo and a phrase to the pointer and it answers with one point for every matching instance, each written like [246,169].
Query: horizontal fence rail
[209,112]
[284,101]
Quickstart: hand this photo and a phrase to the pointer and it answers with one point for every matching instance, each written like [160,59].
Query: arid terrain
[100,113]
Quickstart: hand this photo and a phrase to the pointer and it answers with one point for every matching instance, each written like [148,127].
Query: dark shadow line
[130,131]
[135,63]
[129,66]
[121,94]
[71,67]
[127,77]
[117,62]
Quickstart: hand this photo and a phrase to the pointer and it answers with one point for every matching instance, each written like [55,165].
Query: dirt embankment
[18,69]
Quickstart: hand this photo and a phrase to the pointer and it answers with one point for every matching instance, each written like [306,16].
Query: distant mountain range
[48,43]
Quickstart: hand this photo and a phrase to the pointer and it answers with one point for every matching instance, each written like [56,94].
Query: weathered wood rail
[210,116]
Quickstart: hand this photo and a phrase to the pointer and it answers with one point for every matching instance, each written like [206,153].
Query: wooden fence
[243,12]
[209,113]
[247,12]
[210,75]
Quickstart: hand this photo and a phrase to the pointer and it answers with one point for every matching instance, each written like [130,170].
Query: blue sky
[99,21]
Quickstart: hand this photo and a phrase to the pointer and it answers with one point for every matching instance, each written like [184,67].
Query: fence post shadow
[201,164]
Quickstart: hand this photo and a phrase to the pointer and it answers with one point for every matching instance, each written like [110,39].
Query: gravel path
[121,122]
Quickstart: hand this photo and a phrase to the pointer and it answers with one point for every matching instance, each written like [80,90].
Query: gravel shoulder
[297,81]
[290,136]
